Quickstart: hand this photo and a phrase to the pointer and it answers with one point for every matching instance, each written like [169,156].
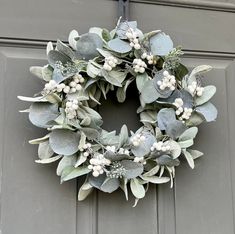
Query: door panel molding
[204,5]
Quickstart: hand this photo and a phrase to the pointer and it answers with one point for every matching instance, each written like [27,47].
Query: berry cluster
[137,139]
[168,81]
[186,111]
[110,63]
[194,89]
[71,107]
[161,146]
[75,84]
[186,114]
[139,65]
[179,104]
[111,148]
[140,160]
[149,57]
[124,151]
[97,164]
[132,37]
[50,86]
[86,149]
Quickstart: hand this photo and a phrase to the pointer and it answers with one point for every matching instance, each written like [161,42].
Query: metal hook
[123,9]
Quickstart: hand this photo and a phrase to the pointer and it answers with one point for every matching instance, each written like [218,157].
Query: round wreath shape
[172,104]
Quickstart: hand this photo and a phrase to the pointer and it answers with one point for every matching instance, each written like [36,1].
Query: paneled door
[31,197]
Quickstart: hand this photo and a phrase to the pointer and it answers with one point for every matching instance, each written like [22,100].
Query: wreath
[172,104]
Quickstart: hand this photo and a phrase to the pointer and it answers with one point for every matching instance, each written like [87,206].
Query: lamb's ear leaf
[84,191]
[189,158]
[137,189]
[198,71]
[123,136]
[40,114]
[64,142]
[188,134]
[74,173]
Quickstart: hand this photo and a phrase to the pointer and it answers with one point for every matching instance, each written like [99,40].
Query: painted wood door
[31,197]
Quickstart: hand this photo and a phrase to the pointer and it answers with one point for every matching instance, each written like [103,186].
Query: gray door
[32,199]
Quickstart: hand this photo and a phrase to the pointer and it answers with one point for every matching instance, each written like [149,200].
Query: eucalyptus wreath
[78,74]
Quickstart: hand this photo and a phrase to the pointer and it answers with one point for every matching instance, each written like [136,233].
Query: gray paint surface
[32,199]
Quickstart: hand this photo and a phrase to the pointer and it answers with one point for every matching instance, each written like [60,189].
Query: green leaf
[63,48]
[37,71]
[87,45]
[148,117]
[64,142]
[145,146]
[149,94]
[48,160]
[44,150]
[195,153]
[189,158]
[32,99]
[156,179]
[188,134]
[141,79]
[175,128]
[133,169]
[175,150]
[39,140]
[186,144]
[40,114]
[166,160]
[119,46]
[123,136]
[66,161]
[114,77]
[110,185]
[91,133]
[121,91]
[208,110]
[160,44]
[165,117]
[180,72]
[92,70]
[123,27]
[195,119]
[76,172]
[137,189]
[84,191]
[207,94]
[153,171]
[198,71]
[55,56]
